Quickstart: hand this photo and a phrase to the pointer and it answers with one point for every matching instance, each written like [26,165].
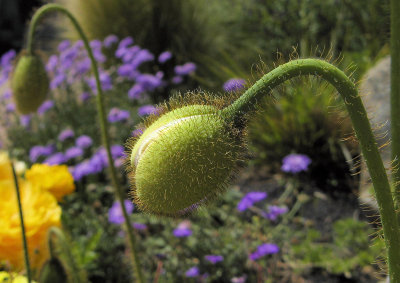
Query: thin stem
[102,119]
[21,217]
[395,93]
[347,89]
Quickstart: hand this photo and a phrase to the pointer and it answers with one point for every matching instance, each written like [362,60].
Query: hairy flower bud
[30,84]
[182,160]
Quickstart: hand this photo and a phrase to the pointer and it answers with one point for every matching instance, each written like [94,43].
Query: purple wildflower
[185,69]
[95,44]
[249,199]
[136,91]
[36,151]
[164,57]
[67,58]
[7,94]
[117,115]
[147,110]
[139,226]
[7,58]
[274,211]
[85,96]
[124,43]
[57,81]
[192,272]
[110,40]
[183,230]
[73,152]
[52,63]
[55,159]
[295,163]
[46,106]
[117,151]
[234,84]
[105,81]
[137,132]
[115,215]
[263,250]
[64,45]
[130,54]
[83,169]
[142,56]
[66,134]
[83,66]
[214,258]
[177,80]
[10,107]
[25,120]
[83,141]
[150,82]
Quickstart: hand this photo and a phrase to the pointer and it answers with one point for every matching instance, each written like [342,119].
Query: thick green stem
[347,89]
[102,119]
[21,218]
[395,93]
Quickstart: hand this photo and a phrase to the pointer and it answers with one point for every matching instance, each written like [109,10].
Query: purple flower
[110,40]
[25,120]
[192,272]
[83,141]
[129,54]
[52,63]
[185,69]
[147,110]
[118,115]
[66,134]
[117,151]
[295,163]
[55,159]
[214,258]
[274,211]
[164,57]
[95,44]
[137,132]
[7,94]
[183,230]
[67,58]
[125,42]
[83,66]
[83,169]
[177,80]
[150,82]
[105,81]
[46,106]
[136,91]
[73,152]
[115,215]
[64,45]
[85,96]
[10,107]
[57,81]
[36,151]
[127,70]
[142,56]
[234,84]
[139,226]
[263,250]
[249,199]
[7,58]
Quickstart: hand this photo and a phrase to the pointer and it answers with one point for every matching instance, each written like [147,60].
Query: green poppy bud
[30,84]
[182,160]
[53,271]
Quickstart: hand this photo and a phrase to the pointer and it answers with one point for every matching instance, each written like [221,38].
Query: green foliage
[306,119]
[350,248]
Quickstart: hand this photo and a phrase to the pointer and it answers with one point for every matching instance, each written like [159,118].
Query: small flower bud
[29,83]
[182,160]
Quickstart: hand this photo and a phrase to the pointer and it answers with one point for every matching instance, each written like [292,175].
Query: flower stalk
[102,120]
[347,89]
[21,218]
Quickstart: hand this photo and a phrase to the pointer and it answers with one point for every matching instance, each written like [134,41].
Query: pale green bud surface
[182,160]
[30,84]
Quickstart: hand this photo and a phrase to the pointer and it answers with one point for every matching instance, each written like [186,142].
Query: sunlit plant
[189,150]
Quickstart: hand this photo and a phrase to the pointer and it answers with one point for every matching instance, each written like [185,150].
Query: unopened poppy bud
[182,160]
[30,84]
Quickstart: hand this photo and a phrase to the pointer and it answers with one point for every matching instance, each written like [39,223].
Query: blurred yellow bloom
[5,167]
[55,179]
[41,211]
[6,277]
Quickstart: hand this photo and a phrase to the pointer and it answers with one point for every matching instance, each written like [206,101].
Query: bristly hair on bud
[186,156]
[29,84]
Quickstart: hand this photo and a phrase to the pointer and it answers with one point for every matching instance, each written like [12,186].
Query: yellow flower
[6,277]
[55,179]
[5,167]
[41,212]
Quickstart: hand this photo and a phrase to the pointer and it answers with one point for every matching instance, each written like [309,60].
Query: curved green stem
[395,93]
[102,119]
[347,89]
[21,217]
